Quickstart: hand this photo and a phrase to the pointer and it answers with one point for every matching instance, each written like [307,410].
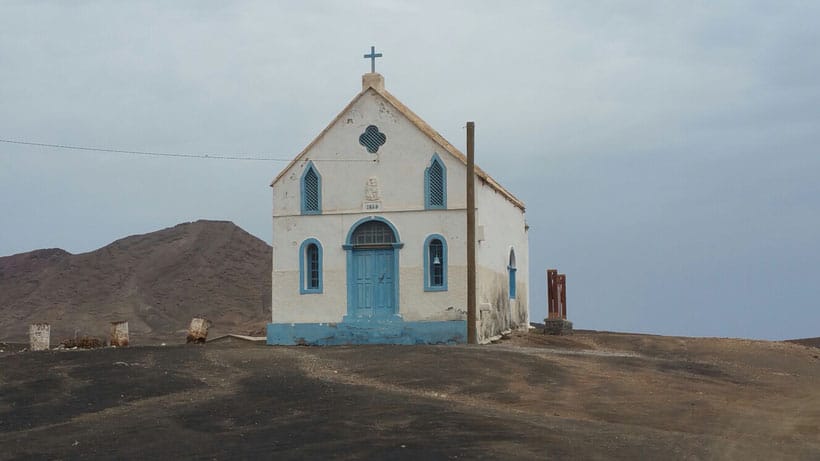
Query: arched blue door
[372,282]
[374,279]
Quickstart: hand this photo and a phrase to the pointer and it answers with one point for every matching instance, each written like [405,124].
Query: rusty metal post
[562,279]
[119,334]
[549,296]
[39,336]
[564,297]
[551,273]
[198,331]
[471,265]
[556,322]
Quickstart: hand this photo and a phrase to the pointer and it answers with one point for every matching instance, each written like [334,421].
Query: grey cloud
[666,151]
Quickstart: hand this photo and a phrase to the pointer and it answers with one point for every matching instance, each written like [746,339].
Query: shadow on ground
[591,396]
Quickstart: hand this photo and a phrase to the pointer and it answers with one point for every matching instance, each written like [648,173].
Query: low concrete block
[198,331]
[119,334]
[557,326]
[39,336]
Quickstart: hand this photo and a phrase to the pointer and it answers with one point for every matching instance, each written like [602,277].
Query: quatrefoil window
[372,138]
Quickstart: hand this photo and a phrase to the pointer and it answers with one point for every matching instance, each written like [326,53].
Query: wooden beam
[471,266]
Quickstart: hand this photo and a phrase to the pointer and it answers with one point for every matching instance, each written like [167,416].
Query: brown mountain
[157,282]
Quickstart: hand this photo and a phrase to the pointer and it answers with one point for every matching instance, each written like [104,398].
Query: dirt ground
[590,396]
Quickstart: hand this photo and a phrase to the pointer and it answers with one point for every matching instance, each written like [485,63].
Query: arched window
[435,184]
[435,263]
[310,267]
[311,190]
[511,270]
[373,233]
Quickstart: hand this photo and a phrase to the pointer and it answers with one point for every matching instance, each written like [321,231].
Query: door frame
[351,283]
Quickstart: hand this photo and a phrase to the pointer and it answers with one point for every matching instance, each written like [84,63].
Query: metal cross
[372,57]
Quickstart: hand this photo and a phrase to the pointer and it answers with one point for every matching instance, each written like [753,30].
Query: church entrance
[373,277]
[372,268]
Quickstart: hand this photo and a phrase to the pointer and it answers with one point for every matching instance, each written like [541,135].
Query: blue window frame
[310,267]
[311,185]
[511,270]
[435,185]
[435,263]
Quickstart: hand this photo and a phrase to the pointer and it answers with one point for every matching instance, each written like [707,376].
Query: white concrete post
[119,334]
[198,331]
[39,336]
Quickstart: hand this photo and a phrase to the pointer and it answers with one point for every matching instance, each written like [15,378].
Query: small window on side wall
[435,263]
[311,188]
[511,270]
[310,267]
[435,185]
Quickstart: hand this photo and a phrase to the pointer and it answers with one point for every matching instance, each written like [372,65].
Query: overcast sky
[667,151]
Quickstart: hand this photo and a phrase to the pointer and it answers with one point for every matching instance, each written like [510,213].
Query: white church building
[369,236]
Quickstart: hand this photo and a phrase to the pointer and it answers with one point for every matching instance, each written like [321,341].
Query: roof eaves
[440,140]
[318,137]
[421,125]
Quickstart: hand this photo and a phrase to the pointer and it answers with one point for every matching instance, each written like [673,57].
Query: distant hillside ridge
[811,342]
[156,281]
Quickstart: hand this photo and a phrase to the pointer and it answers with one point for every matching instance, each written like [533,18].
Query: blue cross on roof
[372,57]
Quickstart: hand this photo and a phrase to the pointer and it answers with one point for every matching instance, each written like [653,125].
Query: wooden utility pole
[471,267]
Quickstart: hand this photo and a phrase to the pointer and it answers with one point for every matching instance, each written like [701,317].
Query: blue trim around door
[368,219]
[350,249]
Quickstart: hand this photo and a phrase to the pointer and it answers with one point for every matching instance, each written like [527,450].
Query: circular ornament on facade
[372,139]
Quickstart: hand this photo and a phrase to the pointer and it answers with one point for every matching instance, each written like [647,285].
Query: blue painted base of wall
[364,332]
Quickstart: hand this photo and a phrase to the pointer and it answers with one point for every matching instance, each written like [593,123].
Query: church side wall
[504,229]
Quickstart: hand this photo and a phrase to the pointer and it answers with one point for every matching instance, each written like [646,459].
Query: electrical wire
[216,156]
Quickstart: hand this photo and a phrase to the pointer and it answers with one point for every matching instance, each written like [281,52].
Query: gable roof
[422,126]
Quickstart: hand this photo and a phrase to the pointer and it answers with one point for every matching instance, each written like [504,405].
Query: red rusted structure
[556,295]
[556,322]
[552,312]
[561,281]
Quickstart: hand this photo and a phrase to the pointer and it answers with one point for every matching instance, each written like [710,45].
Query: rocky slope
[156,281]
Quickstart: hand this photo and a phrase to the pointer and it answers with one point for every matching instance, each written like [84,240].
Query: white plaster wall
[289,306]
[399,164]
[504,228]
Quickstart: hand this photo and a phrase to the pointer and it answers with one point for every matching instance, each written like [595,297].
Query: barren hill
[155,281]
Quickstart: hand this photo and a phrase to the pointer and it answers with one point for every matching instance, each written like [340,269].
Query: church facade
[369,230]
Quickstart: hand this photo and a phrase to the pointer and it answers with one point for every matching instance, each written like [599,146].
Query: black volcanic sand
[592,396]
